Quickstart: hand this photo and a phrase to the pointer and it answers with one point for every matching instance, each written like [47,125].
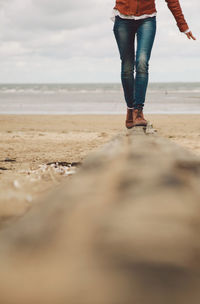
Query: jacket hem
[133,12]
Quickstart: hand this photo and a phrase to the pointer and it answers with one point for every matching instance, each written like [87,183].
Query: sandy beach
[30,142]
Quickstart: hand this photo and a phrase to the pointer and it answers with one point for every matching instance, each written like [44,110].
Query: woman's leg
[145,37]
[125,36]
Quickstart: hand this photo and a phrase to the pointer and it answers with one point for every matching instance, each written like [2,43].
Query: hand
[189,35]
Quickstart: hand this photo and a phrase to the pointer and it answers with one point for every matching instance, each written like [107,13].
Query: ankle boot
[129,118]
[138,118]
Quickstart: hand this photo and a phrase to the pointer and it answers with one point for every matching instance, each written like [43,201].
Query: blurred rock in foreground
[124,230]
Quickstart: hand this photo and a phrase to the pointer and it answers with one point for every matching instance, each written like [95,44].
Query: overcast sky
[72,41]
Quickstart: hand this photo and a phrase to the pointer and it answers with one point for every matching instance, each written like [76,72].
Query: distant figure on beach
[138,17]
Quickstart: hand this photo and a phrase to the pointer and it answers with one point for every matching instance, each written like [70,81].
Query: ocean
[96,98]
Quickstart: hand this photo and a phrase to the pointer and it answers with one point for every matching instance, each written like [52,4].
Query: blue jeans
[125,30]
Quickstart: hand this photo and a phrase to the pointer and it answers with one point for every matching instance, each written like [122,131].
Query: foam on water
[98,98]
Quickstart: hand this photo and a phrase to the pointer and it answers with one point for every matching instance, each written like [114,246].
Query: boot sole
[140,125]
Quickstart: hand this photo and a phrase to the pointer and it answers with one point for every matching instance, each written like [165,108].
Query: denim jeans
[125,30]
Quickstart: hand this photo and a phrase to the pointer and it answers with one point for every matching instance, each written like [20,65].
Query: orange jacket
[140,7]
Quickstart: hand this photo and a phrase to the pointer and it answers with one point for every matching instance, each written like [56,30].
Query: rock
[125,229]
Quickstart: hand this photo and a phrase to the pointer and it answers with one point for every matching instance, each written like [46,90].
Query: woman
[138,17]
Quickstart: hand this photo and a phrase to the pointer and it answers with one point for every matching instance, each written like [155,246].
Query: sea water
[96,98]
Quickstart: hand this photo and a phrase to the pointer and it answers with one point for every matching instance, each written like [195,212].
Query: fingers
[193,36]
[190,35]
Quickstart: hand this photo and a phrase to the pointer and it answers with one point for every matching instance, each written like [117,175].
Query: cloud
[29,15]
[71,35]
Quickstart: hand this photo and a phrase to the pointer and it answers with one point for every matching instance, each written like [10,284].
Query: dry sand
[32,141]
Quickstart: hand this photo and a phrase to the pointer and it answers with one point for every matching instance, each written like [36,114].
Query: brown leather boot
[129,118]
[138,118]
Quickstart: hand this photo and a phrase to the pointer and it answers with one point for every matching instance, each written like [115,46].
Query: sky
[72,41]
